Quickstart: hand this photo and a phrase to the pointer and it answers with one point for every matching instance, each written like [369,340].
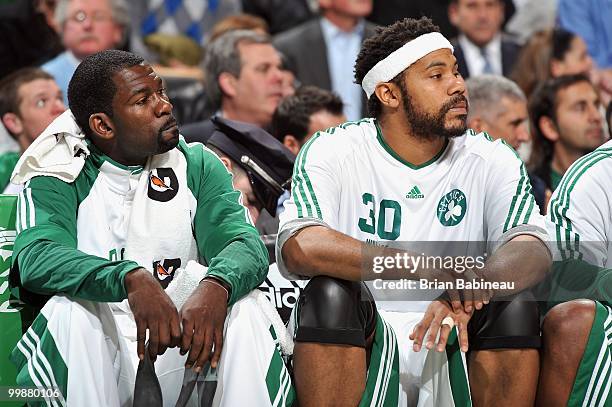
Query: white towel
[184,282]
[59,152]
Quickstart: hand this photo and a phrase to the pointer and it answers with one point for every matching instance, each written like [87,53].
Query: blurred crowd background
[539,72]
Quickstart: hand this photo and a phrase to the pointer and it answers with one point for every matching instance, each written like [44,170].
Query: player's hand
[153,311]
[203,317]
[431,324]
[474,299]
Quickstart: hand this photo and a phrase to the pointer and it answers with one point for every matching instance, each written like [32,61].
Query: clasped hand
[202,318]
[459,306]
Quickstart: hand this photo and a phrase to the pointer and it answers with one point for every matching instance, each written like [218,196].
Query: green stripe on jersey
[382,382]
[303,192]
[278,380]
[527,196]
[302,186]
[522,195]
[39,362]
[457,372]
[568,241]
[593,383]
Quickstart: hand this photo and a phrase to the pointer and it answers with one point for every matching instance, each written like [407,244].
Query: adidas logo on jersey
[415,193]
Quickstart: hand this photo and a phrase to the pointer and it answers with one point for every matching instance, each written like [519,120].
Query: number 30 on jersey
[386,224]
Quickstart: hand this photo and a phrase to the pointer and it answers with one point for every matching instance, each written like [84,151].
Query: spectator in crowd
[257,24]
[482,47]
[322,52]
[386,12]
[29,100]
[86,27]
[260,165]
[295,120]
[499,107]
[550,54]
[567,123]
[281,15]
[28,36]
[243,81]
[590,19]
[190,99]
[120,105]
[300,116]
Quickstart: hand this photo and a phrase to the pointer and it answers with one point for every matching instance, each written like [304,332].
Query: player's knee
[333,311]
[511,323]
[570,320]
[521,315]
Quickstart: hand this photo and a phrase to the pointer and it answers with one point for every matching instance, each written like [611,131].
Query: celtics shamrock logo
[452,208]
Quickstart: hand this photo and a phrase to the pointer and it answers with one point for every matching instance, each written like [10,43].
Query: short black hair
[561,42]
[292,115]
[91,89]
[544,103]
[382,44]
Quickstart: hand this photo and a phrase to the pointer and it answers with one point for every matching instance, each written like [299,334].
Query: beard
[167,141]
[429,126]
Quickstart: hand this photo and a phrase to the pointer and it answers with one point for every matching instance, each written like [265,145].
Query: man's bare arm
[524,260]
[320,250]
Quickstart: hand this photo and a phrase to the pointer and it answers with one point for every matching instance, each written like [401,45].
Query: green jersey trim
[593,376]
[98,158]
[457,372]
[278,380]
[388,149]
[39,361]
[303,192]
[555,179]
[523,198]
[568,241]
[382,381]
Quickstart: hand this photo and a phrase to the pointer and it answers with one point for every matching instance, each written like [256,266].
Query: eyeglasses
[97,16]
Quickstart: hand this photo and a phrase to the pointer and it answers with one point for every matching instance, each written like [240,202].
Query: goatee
[433,126]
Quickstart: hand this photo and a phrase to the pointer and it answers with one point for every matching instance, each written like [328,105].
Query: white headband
[402,58]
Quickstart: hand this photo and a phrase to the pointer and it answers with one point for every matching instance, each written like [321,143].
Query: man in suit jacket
[243,81]
[322,52]
[481,47]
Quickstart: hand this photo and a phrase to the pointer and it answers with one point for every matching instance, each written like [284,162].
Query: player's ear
[227,162]
[101,125]
[548,128]
[388,94]
[292,144]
